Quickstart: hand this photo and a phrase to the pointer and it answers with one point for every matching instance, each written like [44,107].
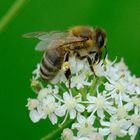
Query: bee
[59,45]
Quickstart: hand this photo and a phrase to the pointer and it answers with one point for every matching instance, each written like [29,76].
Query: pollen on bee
[65,66]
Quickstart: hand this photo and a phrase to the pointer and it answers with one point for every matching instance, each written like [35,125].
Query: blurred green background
[120,19]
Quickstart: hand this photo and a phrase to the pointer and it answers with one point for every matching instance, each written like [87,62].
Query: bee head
[100,38]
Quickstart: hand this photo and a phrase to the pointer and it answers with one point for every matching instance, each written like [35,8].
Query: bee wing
[53,39]
[46,38]
[46,35]
[70,40]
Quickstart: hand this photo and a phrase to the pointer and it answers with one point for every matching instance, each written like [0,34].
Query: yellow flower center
[121,112]
[99,103]
[71,103]
[50,108]
[119,87]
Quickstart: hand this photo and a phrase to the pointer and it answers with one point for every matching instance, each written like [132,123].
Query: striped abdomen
[51,63]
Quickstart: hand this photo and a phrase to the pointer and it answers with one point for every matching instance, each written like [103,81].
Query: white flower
[136,104]
[84,125]
[49,108]
[133,130]
[118,90]
[95,136]
[44,92]
[122,111]
[36,72]
[72,104]
[114,128]
[110,71]
[32,104]
[79,81]
[136,81]
[35,116]
[99,104]
[67,134]
[121,66]
[81,138]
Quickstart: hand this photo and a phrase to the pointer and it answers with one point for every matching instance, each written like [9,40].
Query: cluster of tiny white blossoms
[105,106]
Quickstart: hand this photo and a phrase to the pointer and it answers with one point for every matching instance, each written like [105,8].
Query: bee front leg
[91,65]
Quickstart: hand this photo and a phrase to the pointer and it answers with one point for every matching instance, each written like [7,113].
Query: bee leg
[80,57]
[99,57]
[92,52]
[91,65]
[68,72]
[96,58]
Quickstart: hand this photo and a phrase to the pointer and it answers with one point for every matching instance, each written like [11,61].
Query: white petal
[111,137]
[72,114]
[122,133]
[132,130]
[91,108]
[60,111]
[111,110]
[104,131]
[128,106]
[109,87]
[125,98]
[100,113]
[75,125]
[50,98]
[103,123]
[81,118]
[80,108]
[79,85]
[91,119]
[125,124]
[136,110]
[35,116]
[53,118]
[66,96]
[91,98]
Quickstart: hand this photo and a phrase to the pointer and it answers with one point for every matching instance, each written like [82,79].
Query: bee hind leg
[68,72]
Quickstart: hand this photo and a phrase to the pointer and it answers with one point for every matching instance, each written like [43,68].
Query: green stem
[11,13]
[56,133]
[93,87]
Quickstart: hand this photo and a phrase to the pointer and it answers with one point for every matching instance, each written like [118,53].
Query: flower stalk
[11,13]
[57,133]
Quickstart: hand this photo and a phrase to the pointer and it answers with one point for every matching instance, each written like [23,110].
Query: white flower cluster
[106,106]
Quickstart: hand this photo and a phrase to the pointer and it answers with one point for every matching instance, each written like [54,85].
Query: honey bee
[58,45]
